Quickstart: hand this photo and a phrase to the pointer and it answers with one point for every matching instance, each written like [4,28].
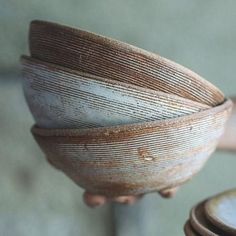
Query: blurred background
[35,199]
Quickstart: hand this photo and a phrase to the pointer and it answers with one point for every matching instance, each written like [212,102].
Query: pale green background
[35,199]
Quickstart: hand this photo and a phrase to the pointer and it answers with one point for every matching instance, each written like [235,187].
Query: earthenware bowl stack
[214,216]
[117,119]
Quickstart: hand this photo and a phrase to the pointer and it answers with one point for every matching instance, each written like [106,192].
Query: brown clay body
[108,58]
[138,158]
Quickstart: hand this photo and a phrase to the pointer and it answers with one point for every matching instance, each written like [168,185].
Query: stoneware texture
[189,231]
[221,211]
[137,158]
[63,98]
[201,224]
[87,52]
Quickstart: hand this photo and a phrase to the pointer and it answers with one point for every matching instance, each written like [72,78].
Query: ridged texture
[62,98]
[117,119]
[108,58]
[137,158]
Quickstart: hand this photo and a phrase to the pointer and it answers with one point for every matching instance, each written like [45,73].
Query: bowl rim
[213,218]
[27,60]
[119,45]
[148,127]
[197,224]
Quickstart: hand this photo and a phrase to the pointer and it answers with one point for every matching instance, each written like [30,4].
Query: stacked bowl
[214,216]
[117,119]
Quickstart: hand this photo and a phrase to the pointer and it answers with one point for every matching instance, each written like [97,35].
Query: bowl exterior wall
[108,58]
[61,99]
[135,160]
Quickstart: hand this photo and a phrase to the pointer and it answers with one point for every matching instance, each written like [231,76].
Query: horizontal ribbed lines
[77,94]
[212,119]
[161,143]
[148,171]
[165,119]
[136,62]
[140,113]
[170,86]
[68,81]
[155,148]
[122,58]
[83,43]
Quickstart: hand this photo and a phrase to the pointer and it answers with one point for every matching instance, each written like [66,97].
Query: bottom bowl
[137,158]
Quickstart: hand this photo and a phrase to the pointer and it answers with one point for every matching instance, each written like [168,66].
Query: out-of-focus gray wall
[200,35]
[35,199]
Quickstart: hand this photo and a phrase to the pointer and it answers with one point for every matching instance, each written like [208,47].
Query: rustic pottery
[228,139]
[108,58]
[201,224]
[135,158]
[189,231]
[62,98]
[118,120]
[221,211]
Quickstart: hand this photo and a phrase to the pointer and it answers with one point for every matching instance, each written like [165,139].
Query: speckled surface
[32,191]
[36,199]
[221,211]
[199,36]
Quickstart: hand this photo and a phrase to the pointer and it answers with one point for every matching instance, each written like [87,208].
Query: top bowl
[87,52]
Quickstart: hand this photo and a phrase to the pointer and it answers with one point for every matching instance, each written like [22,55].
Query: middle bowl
[62,98]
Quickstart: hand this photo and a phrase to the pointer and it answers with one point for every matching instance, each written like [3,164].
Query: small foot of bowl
[169,193]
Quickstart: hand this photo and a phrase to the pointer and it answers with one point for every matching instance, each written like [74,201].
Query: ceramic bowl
[61,98]
[201,224]
[136,158]
[87,52]
[189,231]
[221,211]
[228,140]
